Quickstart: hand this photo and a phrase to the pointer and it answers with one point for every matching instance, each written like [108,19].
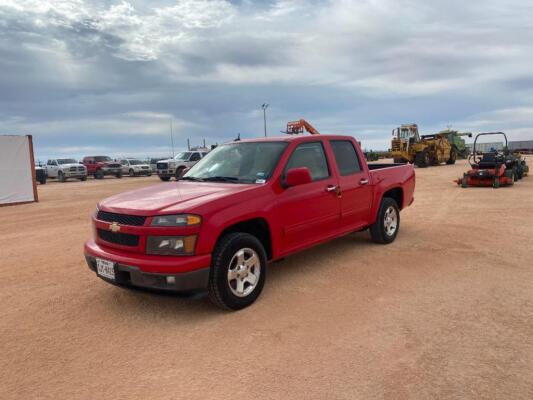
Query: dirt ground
[445,312]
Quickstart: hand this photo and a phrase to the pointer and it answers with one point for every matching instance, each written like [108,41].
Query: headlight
[171,245]
[176,220]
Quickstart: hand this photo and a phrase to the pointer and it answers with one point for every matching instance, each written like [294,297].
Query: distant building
[517,145]
[521,145]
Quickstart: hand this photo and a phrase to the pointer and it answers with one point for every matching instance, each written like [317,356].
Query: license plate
[105,268]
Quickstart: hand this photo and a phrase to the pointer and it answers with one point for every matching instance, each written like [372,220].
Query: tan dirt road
[445,312]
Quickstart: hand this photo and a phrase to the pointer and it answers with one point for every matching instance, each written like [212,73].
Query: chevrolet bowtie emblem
[115,227]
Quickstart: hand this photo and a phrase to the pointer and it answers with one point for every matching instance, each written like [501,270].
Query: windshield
[102,158]
[136,162]
[183,156]
[239,162]
[66,161]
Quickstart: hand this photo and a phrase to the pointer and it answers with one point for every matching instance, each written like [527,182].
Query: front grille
[114,165]
[162,165]
[73,169]
[122,219]
[396,145]
[145,167]
[81,169]
[124,239]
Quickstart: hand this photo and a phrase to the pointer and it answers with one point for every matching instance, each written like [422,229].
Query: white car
[174,167]
[65,168]
[135,167]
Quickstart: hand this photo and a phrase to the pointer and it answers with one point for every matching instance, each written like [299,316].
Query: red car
[100,166]
[245,204]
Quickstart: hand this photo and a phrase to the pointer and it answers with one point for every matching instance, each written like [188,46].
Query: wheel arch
[257,227]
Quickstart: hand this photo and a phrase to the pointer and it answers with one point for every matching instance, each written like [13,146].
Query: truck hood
[70,165]
[168,198]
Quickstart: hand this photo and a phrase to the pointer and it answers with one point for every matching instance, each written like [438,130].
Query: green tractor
[456,140]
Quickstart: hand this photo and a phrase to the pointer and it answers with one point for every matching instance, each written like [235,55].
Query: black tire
[149,174]
[496,183]
[61,177]
[99,174]
[131,172]
[422,159]
[83,178]
[220,291]
[453,156]
[378,231]
[119,175]
[179,172]
[42,181]
[164,178]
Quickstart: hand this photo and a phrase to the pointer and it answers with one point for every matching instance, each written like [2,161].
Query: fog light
[171,280]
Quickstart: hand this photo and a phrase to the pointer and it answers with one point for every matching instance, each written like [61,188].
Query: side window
[346,157]
[123,162]
[312,156]
[195,157]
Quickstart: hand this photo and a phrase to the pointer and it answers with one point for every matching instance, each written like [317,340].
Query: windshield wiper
[191,178]
[231,179]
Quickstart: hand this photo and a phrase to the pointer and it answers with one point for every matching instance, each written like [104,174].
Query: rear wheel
[387,224]
[238,271]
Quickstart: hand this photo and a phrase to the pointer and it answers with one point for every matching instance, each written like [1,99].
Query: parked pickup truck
[245,204]
[174,167]
[100,166]
[64,168]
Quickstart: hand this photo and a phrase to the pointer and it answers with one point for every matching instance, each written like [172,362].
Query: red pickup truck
[245,204]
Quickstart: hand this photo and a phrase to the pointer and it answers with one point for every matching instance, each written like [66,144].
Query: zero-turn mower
[495,168]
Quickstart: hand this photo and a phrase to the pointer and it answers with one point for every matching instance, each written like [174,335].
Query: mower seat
[488,161]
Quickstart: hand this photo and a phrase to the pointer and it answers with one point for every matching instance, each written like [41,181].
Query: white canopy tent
[17,170]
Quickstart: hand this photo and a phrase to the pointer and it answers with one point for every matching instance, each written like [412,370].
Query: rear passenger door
[309,212]
[354,185]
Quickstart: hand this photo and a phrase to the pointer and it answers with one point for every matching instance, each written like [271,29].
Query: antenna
[172,137]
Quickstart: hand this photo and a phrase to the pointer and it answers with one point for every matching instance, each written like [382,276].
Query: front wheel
[61,177]
[179,172]
[83,178]
[238,271]
[99,174]
[131,172]
[119,174]
[164,178]
[387,224]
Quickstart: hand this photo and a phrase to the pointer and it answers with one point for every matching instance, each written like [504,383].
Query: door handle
[331,188]
[363,181]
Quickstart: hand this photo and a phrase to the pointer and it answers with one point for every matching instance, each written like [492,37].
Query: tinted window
[195,157]
[346,157]
[312,156]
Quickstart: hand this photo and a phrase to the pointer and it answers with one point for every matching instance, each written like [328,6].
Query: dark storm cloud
[85,76]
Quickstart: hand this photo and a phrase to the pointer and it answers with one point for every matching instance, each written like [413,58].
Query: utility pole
[172,138]
[264,107]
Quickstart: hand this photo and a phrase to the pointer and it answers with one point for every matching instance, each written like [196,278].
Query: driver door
[309,213]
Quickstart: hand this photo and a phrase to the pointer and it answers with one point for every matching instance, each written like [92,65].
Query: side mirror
[298,176]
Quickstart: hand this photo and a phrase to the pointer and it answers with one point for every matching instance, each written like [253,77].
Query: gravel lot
[445,312]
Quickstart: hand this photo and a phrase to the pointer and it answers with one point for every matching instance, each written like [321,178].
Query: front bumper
[111,171]
[166,173]
[151,272]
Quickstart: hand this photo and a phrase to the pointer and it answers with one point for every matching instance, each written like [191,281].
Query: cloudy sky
[107,77]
